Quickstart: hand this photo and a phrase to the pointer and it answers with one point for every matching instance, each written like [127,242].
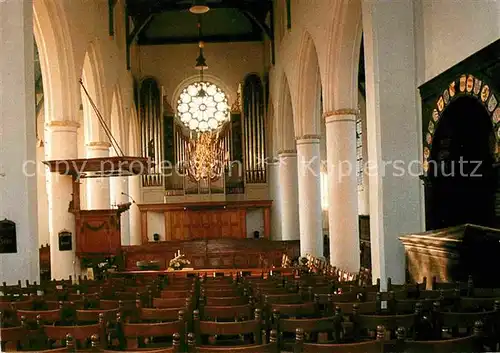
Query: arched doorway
[461,166]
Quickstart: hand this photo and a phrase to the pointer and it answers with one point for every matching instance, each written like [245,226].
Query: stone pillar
[274,193]
[119,195]
[61,144]
[309,181]
[18,201]
[342,189]
[364,189]
[98,195]
[394,133]
[289,195]
[134,190]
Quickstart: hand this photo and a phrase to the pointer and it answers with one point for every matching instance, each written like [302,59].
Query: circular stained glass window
[202,106]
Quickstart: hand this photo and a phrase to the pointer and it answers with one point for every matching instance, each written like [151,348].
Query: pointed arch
[118,128]
[94,82]
[308,93]
[134,132]
[60,82]
[340,83]
[287,121]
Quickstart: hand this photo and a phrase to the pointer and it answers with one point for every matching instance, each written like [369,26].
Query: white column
[119,195]
[134,190]
[61,144]
[394,133]
[42,200]
[274,193]
[342,189]
[18,201]
[309,181]
[364,191]
[98,188]
[289,195]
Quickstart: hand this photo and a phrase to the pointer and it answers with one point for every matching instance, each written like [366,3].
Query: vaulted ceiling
[170,22]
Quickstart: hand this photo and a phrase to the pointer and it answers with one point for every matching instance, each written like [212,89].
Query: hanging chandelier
[206,157]
[203,109]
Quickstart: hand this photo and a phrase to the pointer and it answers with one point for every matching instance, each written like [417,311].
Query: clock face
[202,106]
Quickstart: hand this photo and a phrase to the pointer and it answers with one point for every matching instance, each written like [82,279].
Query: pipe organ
[151,129]
[241,142]
[254,129]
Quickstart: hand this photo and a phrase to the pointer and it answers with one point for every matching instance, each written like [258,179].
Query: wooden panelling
[214,253]
[205,220]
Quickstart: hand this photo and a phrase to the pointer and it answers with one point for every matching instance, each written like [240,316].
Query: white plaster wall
[452,30]
[229,62]
[255,222]
[156,224]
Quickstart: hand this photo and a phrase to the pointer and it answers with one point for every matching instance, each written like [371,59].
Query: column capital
[346,115]
[307,139]
[98,145]
[62,125]
[287,153]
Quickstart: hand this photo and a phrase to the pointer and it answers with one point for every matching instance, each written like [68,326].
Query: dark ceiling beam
[157,6]
[140,24]
[207,39]
[259,21]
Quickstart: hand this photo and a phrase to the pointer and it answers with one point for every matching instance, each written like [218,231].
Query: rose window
[202,106]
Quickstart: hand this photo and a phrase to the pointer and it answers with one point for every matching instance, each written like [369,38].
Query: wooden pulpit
[97,232]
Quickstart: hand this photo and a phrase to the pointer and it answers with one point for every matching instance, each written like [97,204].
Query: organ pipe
[254,129]
[151,128]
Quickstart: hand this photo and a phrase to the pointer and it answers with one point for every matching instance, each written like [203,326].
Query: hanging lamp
[199,7]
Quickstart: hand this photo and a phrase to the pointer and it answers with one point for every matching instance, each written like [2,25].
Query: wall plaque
[65,241]
[8,240]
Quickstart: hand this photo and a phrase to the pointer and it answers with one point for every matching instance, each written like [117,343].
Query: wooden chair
[70,347]
[271,347]
[94,315]
[232,312]
[176,346]
[164,303]
[219,292]
[289,298]
[40,315]
[158,315]
[132,335]
[471,343]
[364,323]
[11,338]
[182,293]
[470,304]
[360,308]
[81,334]
[223,301]
[211,328]
[309,309]
[372,346]
[331,326]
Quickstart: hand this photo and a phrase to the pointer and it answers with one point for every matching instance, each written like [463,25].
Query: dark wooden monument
[454,253]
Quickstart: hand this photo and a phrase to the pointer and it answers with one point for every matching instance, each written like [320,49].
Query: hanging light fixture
[201,63]
[199,7]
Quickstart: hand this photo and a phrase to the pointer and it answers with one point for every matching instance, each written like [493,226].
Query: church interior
[249,176]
